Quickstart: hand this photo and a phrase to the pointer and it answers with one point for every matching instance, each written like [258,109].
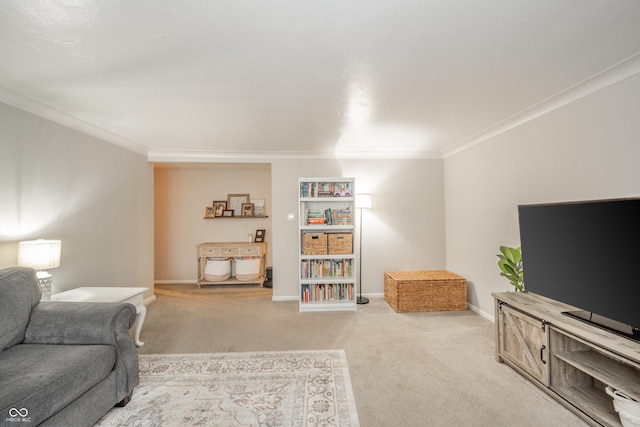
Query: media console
[571,360]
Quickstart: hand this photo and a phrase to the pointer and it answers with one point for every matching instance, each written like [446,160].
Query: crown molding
[599,81]
[173,156]
[41,110]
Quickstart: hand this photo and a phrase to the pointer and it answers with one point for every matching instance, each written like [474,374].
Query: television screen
[585,254]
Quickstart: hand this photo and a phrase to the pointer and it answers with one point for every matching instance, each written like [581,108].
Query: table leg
[142,312]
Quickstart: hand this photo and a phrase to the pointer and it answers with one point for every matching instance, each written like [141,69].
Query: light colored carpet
[407,369]
[290,388]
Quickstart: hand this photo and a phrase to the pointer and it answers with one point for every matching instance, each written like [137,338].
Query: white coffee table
[109,294]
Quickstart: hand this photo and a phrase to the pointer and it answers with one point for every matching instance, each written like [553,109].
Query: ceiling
[371,78]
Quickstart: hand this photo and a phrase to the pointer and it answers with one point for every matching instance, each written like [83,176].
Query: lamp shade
[363,201]
[39,254]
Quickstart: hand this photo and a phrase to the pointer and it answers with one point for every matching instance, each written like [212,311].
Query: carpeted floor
[406,369]
[288,389]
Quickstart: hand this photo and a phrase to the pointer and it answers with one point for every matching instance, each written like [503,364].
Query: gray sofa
[61,363]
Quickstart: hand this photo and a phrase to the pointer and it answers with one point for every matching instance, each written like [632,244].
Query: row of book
[330,217]
[325,189]
[319,268]
[327,292]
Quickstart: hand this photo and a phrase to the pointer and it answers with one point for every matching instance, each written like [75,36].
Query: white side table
[109,294]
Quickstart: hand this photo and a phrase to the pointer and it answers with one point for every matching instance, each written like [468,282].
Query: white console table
[109,294]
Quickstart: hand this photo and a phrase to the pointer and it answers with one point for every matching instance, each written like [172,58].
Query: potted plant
[510,264]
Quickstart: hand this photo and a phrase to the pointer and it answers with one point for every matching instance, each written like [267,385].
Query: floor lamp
[363,201]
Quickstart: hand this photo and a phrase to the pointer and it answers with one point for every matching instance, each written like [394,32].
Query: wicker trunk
[429,290]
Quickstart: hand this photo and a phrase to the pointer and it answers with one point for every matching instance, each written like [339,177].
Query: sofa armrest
[57,322]
[89,323]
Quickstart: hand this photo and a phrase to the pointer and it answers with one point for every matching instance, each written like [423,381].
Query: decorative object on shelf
[260,235]
[220,206]
[40,255]
[259,208]
[510,265]
[247,209]
[227,212]
[363,201]
[235,201]
[210,212]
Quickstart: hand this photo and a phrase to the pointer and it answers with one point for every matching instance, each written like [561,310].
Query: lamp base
[45,280]
[362,300]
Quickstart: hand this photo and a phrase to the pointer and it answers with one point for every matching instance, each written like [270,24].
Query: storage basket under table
[428,290]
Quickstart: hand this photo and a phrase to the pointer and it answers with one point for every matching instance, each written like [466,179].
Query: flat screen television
[586,254]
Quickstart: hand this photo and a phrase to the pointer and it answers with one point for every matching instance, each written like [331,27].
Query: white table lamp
[41,255]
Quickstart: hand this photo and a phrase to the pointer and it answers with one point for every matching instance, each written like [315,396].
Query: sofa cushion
[19,293]
[44,378]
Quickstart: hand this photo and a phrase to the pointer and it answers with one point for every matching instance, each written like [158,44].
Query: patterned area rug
[292,388]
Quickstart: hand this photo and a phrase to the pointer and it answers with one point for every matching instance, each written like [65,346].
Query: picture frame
[220,206]
[227,213]
[259,208]
[247,209]
[210,212]
[260,233]
[235,201]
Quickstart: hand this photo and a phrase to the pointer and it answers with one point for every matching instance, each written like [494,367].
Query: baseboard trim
[175,282]
[484,314]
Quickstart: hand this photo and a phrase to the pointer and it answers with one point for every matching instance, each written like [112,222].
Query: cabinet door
[524,341]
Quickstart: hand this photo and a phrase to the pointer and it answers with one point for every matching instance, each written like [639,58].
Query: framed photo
[247,209]
[210,212]
[259,208]
[220,206]
[235,201]
[259,236]
[227,212]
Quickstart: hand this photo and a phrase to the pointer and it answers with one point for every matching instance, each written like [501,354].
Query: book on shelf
[326,268]
[326,292]
[325,189]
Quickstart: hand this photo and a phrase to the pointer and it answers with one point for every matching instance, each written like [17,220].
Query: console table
[569,359]
[231,250]
[109,294]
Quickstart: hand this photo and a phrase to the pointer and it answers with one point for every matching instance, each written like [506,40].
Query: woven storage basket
[428,290]
[314,244]
[340,243]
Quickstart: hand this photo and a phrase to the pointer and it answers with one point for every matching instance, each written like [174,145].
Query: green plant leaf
[510,265]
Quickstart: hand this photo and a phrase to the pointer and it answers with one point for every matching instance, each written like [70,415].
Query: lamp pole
[361,299]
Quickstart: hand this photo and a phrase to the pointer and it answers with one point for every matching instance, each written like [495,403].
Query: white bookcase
[327,263]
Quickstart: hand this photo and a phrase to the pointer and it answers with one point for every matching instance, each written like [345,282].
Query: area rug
[292,388]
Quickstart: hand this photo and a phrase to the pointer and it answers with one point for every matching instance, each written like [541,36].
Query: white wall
[181,194]
[56,183]
[403,231]
[586,150]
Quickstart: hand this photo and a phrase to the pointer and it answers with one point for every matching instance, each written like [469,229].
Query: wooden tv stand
[569,359]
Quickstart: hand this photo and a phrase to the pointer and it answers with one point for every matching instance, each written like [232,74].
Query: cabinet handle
[542,354]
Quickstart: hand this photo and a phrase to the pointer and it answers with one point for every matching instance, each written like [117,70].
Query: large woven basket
[427,290]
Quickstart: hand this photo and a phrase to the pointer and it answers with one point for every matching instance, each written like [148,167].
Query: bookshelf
[327,262]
